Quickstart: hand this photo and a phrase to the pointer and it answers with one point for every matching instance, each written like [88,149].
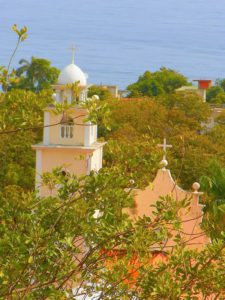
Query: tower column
[46,129]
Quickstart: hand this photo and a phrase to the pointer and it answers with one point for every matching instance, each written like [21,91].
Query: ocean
[117,40]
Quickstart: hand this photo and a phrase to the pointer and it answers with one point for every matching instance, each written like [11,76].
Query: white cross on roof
[164,146]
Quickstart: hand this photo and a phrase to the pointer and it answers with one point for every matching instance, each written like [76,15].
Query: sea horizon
[118,41]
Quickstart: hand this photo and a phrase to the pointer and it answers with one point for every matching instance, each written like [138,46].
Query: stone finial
[164,164]
[196,187]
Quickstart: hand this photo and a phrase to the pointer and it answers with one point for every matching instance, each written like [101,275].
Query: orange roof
[204,83]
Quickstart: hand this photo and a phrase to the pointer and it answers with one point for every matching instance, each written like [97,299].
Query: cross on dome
[164,146]
[73,54]
[72,73]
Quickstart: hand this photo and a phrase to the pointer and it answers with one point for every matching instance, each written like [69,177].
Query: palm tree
[36,75]
[25,65]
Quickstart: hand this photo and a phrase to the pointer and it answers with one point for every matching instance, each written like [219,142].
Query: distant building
[114,90]
[201,89]
[203,86]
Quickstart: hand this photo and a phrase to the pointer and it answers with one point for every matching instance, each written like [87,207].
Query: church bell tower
[68,141]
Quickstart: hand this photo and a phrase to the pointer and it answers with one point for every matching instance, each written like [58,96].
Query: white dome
[71,74]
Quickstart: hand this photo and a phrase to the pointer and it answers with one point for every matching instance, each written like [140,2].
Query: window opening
[67,125]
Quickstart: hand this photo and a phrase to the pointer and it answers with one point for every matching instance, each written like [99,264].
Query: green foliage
[19,111]
[186,273]
[48,244]
[76,89]
[7,76]
[21,33]
[98,113]
[214,185]
[217,135]
[22,109]
[215,95]
[17,160]
[35,75]
[157,83]
[138,125]
[137,160]
[45,231]
[221,83]
[190,104]
[100,91]
[221,118]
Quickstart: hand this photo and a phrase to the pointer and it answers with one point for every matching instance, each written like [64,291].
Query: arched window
[66,127]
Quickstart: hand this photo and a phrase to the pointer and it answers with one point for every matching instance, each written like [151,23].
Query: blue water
[117,40]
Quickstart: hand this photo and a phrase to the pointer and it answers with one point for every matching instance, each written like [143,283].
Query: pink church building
[70,142]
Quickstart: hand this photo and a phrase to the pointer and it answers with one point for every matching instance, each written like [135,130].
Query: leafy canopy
[157,83]
[36,75]
[214,185]
[19,111]
[216,94]
[8,76]
[138,125]
[50,245]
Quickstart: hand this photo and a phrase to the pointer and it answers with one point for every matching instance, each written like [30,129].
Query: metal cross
[73,53]
[164,146]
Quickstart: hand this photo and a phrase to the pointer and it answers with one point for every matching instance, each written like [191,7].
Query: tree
[138,125]
[157,83]
[221,118]
[50,245]
[17,160]
[215,95]
[190,104]
[36,75]
[214,185]
[41,250]
[20,110]
[7,76]
[221,83]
